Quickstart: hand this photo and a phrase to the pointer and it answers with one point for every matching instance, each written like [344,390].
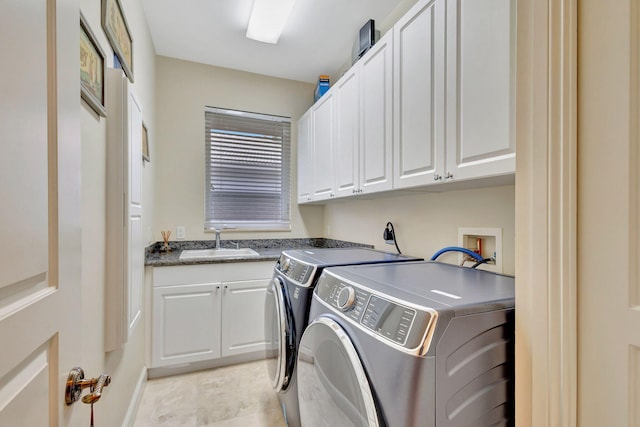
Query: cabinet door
[480,88]
[347,133]
[419,104]
[376,116]
[305,166]
[323,140]
[133,197]
[186,324]
[124,238]
[243,316]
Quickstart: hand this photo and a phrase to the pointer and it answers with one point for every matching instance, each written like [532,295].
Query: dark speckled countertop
[269,249]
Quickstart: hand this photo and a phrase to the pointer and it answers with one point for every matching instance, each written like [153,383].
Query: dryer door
[332,385]
[279,335]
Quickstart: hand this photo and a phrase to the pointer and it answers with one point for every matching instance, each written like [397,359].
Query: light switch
[180,232]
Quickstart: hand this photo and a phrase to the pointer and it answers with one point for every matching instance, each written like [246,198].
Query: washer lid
[332,385]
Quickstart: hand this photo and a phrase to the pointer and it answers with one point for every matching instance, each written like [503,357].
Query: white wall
[126,366]
[425,223]
[183,89]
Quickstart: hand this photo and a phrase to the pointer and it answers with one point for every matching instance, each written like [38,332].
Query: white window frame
[238,147]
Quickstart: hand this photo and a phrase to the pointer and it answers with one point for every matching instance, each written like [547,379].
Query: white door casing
[546,216]
[40,215]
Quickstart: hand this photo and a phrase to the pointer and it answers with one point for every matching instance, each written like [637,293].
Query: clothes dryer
[405,345]
[287,309]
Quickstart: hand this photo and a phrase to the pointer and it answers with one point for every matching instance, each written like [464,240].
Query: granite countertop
[268,249]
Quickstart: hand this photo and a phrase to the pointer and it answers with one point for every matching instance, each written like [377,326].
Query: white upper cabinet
[480,88]
[323,137]
[305,165]
[347,151]
[376,125]
[419,104]
[433,101]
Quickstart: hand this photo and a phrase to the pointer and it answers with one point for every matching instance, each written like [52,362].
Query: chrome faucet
[217,230]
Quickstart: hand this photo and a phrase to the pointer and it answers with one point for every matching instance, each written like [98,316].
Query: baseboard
[206,364]
[132,410]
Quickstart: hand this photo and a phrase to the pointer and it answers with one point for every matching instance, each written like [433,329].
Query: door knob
[76,383]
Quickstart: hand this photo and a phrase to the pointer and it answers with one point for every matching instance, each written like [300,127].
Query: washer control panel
[294,269]
[389,319]
[399,323]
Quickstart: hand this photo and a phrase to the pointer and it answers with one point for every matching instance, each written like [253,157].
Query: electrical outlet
[487,242]
[180,232]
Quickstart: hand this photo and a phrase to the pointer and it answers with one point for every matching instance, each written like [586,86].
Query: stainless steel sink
[218,253]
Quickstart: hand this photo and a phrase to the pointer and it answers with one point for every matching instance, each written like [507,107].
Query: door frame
[546,213]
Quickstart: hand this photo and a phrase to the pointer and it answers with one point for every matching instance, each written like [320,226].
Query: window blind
[248,182]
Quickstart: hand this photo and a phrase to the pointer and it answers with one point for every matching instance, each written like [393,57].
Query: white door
[39,214]
[608,213]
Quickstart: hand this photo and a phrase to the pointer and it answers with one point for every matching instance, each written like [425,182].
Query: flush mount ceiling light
[268,18]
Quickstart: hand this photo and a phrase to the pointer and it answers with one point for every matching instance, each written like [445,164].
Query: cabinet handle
[437,177]
[448,175]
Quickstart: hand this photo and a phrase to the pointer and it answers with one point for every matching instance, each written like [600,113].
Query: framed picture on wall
[92,69]
[115,27]
[145,143]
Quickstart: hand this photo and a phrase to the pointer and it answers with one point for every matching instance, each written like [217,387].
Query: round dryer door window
[333,389]
[278,329]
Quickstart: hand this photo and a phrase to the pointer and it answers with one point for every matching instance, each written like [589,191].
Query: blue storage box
[321,88]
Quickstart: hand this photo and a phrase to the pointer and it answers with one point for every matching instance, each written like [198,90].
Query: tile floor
[230,396]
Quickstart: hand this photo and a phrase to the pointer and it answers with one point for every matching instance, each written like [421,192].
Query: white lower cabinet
[243,329]
[208,311]
[186,324]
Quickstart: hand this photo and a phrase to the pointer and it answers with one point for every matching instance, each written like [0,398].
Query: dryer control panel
[396,321]
[295,270]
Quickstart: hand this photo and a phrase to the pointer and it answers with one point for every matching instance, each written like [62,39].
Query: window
[247,170]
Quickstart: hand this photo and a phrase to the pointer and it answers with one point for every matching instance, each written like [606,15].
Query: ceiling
[317,39]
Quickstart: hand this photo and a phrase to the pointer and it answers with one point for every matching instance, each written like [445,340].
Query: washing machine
[407,345]
[287,310]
